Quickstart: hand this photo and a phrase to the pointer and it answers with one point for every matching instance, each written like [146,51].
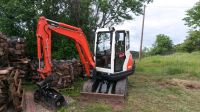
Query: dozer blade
[100,90]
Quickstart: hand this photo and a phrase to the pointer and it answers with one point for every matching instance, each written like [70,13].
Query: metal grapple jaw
[48,96]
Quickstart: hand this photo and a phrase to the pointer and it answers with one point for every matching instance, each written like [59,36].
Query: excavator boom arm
[44,29]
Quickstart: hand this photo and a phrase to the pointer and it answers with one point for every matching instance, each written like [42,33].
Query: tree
[146,51]
[110,12]
[192,43]
[179,47]
[193,17]
[162,45]
[19,18]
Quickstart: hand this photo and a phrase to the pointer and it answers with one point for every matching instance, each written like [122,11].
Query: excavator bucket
[105,91]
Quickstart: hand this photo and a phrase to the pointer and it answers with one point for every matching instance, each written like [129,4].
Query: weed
[171,70]
[175,90]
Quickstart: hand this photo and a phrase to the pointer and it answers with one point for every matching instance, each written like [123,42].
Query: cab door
[119,51]
[103,50]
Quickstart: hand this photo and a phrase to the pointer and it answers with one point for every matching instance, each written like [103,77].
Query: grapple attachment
[48,96]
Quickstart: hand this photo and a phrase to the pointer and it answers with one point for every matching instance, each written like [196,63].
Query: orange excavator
[107,70]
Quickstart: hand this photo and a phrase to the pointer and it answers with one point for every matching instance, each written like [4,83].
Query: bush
[163,45]
[192,43]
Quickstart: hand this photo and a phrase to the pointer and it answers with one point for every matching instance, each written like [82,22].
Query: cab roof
[108,29]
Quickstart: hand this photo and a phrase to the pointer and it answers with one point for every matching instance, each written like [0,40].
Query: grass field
[161,84]
[150,90]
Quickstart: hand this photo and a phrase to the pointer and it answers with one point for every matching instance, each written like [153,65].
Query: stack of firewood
[66,71]
[77,67]
[3,50]
[12,53]
[63,73]
[11,48]
[17,57]
[11,92]
[16,48]
[24,67]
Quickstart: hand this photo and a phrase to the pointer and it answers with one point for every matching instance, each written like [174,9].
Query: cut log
[4,71]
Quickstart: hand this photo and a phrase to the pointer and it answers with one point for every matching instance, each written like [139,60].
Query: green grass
[148,91]
[175,64]
[75,89]
[146,94]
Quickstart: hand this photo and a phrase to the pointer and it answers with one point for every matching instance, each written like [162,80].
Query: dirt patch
[31,106]
[184,83]
[117,106]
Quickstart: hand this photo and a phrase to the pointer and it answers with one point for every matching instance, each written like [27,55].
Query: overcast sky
[162,17]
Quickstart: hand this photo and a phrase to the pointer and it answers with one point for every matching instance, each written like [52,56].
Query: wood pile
[16,48]
[12,53]
[11,92]
[11,48]
[14,66]
[66,71]
[23,65]
[77,67]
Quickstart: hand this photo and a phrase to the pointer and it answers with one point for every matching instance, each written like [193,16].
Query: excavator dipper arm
[44,29]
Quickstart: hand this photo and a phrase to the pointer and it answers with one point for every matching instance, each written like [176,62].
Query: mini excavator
[107,70]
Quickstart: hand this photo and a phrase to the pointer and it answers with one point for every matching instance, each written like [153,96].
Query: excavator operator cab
[114,63]
[112,53]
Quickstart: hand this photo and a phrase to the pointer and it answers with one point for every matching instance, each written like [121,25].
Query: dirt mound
[184,83]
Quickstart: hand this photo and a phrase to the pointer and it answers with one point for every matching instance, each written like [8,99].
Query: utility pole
[142,33]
